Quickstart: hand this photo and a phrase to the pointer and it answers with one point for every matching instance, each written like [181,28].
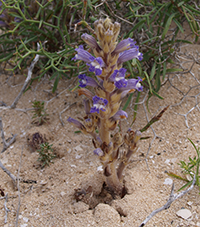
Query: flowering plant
[102,106]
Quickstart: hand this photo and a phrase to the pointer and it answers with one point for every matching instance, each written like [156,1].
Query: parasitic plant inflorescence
[102,107]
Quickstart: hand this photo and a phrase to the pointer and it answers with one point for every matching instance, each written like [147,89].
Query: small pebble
[78,156]
[78,148]
[167,161]
[168,181]
[184,213]
[25,219]
[189,203]
[100,168]
[62,194]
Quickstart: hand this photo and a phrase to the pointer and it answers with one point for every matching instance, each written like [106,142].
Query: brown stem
[131,150]
[104,132]
[112,181]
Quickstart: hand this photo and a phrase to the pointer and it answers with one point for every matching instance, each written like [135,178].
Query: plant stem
[131,150]
[104,132]
[113,181]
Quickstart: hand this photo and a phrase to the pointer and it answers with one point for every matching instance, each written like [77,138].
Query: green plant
[190,168]
[46,154]
[40,114]
[55,24]
[102,106]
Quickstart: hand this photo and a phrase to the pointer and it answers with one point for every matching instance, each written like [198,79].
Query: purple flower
[98,152]
[120,115]
[87,81]
[129,54]
[98,104]
[125,44]
[91,41]
[132,84]
[78,124]
[118,77]
[95,64]
[83,55]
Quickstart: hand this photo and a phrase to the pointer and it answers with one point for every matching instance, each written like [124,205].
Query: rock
[130,184]
[25,219]
[62,194]
[168,181]
[184,213]
[78,148]
[80,207]
[189,203]
[121,206]
[106,215]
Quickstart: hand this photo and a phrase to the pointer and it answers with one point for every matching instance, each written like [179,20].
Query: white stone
[25,219]
[167,161]
[184,213]
[100,168]
[78,156]
[24,225]
[78,148]
[189,203]
[62,194]
[168,181]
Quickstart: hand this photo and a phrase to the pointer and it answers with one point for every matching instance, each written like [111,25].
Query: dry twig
[18,187]
[6,209]
[171,199]
[30,70]
[5,143]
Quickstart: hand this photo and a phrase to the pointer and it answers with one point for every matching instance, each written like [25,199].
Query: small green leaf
[164,70]
[174,70]
[56,83]
[135,107]
[148,80]
[153,71]
[178,25]
[135,27]
[166,26]
[156,94]
[127,102]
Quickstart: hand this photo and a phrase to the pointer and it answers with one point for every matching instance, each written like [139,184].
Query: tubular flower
[134,84]
[98,104]
[118,77]
[87,81]
[98,152]
[76,123]
[120,115]
[125,44]
[130,54]
[95,64]
[91,41]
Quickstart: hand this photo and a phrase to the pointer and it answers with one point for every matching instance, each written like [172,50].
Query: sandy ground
[51,201]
